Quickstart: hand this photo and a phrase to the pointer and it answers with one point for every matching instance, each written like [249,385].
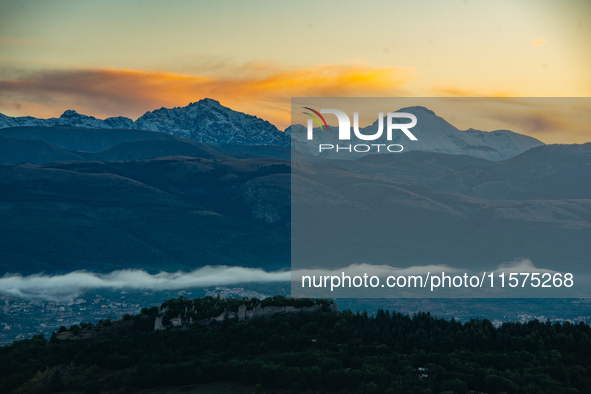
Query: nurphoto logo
[345,130]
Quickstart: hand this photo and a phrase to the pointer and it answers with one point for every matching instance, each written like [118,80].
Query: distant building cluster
[22,319]
[225,292]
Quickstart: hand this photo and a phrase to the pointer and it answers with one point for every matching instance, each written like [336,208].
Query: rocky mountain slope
[209,122]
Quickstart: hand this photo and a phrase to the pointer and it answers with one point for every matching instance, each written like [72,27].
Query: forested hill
[306,352]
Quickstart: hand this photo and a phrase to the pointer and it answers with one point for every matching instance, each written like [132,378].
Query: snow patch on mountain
[68,118]
[210,122]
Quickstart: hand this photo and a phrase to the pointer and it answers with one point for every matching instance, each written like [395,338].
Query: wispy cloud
[263,90]
[71,285]
[68,286]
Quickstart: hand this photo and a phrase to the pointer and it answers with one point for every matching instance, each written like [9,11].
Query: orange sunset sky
[112,58]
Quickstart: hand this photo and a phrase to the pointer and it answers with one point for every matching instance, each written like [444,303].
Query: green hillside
[305,353]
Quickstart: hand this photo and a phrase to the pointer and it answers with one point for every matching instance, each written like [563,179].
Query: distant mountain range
[82,193]
[434,134]
[207,121]
[421,208]
[160,214]
[223,207]
[204,121]
[39,144]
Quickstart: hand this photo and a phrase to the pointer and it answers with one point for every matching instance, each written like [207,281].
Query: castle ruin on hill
[244,314]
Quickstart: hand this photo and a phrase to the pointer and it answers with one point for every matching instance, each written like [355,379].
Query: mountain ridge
[40,144]
[208,121]
[204,121]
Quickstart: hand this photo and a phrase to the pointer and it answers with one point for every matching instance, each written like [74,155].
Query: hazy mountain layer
[181,213]
[423,208]
[161,214]
[40,144]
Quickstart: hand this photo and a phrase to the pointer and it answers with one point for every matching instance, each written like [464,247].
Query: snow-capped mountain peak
[210,122]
